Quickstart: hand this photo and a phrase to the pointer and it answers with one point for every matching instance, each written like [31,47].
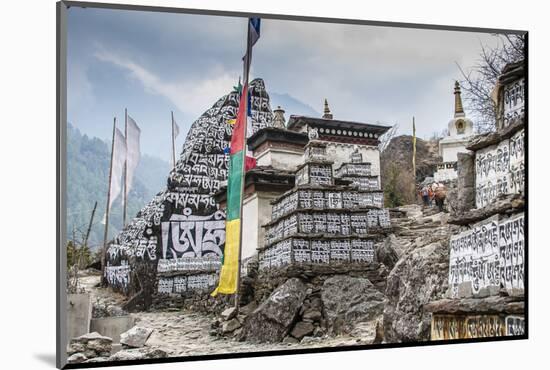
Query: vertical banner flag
[132,152]
[119,157]
[229,274]
[175,133]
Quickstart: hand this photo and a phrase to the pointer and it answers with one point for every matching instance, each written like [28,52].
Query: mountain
[291,105]
[87,176]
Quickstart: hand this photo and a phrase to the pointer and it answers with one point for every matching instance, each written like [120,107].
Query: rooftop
[296,122]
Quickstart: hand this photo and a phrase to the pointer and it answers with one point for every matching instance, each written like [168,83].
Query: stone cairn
[173,248]
[320,222]
[487,251]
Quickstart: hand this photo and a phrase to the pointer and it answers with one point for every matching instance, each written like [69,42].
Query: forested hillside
[87,173]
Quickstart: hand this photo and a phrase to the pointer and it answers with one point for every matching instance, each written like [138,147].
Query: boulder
[229,313]
[348,301]
[301,329]
[387,252]
[138,354]
[419,277]
[90,345]
[76,358]
[230,326]
[248,309]
[135,337]
[273,319]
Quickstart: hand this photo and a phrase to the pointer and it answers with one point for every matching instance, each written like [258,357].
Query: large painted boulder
[174,245]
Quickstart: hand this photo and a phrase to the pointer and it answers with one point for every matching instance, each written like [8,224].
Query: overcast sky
[153,63]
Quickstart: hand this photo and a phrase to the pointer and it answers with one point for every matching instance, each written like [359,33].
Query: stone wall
[487,251]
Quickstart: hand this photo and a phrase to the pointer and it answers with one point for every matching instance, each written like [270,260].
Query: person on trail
[424,193]
[430,196]
[440,193]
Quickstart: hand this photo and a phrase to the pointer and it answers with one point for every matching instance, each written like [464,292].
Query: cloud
[193,96]
[79,87]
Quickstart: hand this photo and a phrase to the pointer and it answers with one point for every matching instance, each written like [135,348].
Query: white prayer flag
[133,153]
[175,133]
[119,157]
[176,129]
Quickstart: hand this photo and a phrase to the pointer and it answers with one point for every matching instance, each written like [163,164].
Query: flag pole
[414,151]
[173,142]
[105,235]
[125,195]
[243,168]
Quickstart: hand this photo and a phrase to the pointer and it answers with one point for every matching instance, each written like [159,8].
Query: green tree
[392,193]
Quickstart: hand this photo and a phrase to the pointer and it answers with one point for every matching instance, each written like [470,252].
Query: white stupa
[461,129]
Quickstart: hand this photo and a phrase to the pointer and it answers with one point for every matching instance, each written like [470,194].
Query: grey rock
[138,354]
[76,358]
[99,345]
[386,252]
[91,336]
[504,204]
[90,353]
[419,277]
[469,306]
[90,344]
[272,320]
[301,329]
[76,347]
[290,340]
[230,326]
[318,332]
[466,182]
[98,359]
[249,308]
[314,315]
[229,313]
[350,300]
[135,337]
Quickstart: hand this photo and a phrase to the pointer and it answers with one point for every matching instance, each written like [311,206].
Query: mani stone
[200,171]
[272,320]
[135,337]
[348,301]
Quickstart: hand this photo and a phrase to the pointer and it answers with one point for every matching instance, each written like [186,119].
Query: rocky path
[413,252]
[186,333]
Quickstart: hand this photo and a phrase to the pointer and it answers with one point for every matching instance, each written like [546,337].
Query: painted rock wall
[175,244]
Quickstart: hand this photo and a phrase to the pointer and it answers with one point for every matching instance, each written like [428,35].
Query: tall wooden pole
[104,252]
[125,194]
[414,152]
[173,142]
[243,170]
[90,226]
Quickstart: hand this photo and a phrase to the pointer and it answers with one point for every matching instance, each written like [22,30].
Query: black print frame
[327,222]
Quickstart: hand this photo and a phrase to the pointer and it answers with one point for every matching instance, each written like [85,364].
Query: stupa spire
[326,112]
[459,110]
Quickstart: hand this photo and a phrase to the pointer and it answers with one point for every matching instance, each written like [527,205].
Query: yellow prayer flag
[229,270]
